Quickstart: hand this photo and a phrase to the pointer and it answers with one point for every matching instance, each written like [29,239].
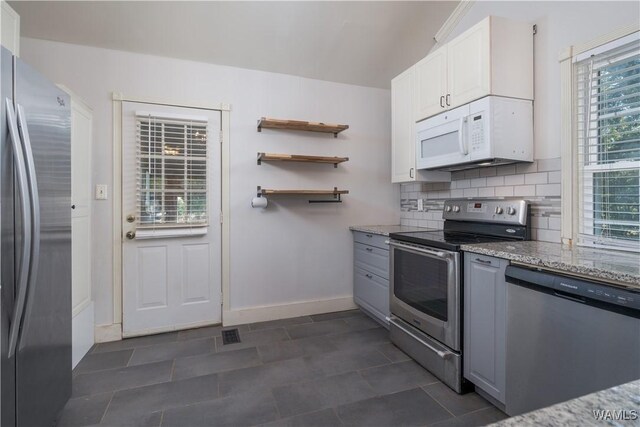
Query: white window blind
[608,136]
[171,171]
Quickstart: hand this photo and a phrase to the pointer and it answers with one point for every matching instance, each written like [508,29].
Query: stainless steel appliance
[567,337]
[35,246]
[490,131]
[426,280]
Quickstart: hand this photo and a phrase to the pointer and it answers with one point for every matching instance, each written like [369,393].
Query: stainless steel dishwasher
[567,337]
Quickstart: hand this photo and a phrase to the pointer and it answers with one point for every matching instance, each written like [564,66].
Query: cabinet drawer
[371,292]
[371,239]
[372,259]
[487,261]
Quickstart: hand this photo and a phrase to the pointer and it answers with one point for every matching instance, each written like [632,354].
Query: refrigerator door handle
[34,201]
[25,225]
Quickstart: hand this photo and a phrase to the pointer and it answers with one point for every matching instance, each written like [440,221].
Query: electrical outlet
[101,192]
[420,205]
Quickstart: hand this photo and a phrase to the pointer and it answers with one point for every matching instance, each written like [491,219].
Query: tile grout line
[437,401]
[104,414]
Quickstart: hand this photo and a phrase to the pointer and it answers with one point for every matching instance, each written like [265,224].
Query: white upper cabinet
[9,28]
[494,57]
[403,147]
[431,84]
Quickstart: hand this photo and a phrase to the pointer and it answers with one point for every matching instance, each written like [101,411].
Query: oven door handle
[416,249]
[441,354]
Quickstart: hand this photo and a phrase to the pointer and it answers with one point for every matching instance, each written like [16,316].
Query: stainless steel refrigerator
[35,246]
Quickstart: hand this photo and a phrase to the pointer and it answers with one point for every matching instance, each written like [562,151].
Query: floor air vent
[230,336]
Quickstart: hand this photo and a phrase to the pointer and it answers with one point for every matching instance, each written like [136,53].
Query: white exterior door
[171,201]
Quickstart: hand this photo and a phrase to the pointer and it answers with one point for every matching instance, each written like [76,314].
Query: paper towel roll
[259,202]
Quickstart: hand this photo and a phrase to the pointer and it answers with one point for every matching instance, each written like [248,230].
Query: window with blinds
[171,174]
[608,136]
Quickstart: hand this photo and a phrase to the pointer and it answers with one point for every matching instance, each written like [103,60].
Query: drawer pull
[369,276]
[369,235]
[483,261]
[369,249]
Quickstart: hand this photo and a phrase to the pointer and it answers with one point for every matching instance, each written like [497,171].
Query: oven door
[425,290]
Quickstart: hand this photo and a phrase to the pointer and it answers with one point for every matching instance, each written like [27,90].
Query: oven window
[421,282]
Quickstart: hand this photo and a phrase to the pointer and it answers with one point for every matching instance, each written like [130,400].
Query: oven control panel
[501,211]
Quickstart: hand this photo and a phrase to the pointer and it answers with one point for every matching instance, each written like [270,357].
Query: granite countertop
[622,268]
[581,411]
[384,230]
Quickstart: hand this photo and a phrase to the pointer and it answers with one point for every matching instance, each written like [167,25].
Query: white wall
[291,252]
[560,25]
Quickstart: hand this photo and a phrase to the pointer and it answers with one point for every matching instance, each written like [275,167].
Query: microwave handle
[463,148]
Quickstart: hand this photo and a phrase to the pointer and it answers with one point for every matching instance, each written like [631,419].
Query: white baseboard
[275,312]
[82,334]
[107,333]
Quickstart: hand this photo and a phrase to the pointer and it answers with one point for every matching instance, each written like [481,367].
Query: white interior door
[171,242]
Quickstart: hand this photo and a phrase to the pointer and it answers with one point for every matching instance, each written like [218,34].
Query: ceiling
[363,43]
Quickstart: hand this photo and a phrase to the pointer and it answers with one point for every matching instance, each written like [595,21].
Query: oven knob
[456,209]
[499,210]
[511,210]
[447,208]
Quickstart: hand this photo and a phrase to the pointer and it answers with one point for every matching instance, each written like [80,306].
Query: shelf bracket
[259,125]
[259,156]
[336,198]
[259,193]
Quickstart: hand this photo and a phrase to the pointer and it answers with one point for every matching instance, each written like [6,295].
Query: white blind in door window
[608,136]
[171,187]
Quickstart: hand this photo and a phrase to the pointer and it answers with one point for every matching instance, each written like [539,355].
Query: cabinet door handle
[411,173]
[448,98]
[368,249]
[369,276]
[442,101]
[369,235]
[483,261]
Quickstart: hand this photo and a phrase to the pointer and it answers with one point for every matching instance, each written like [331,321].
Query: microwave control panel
[476,132]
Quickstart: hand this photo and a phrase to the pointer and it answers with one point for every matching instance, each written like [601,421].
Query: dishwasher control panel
[574,287]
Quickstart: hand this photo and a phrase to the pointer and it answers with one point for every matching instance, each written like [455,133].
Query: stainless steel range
[426,280]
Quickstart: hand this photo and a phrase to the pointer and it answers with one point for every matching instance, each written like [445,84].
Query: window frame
[572,197]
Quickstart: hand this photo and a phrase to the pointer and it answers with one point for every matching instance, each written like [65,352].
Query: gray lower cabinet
[371,274]
[485,323]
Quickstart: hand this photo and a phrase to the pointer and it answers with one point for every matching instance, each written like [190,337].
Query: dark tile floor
[326,370]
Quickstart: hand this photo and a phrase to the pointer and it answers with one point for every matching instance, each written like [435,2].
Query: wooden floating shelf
[271,157]
[268,123]
[270,192]
[335,194]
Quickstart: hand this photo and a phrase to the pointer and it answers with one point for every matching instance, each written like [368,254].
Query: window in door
[171,172]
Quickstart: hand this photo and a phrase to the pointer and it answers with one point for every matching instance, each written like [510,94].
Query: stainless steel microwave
[493,130]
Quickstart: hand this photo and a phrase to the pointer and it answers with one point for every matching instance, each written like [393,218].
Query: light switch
[101,192]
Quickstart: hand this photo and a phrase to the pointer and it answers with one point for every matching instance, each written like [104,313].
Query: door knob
[131,235]
[131,218]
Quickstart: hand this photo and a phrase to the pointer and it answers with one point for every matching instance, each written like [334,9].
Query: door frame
[115,330]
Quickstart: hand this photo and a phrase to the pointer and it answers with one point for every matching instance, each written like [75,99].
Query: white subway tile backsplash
[536,178]
[539,182]
[549,164]
[472,173]
[486,192]
[479,182]
[548,190]
[555,177]
[470,192]
[495,180]
[524,190]
[506,170]
[488,171]
[555,222]
[463,183]
[514,180]
[526,167]
[548,235]
[540,222]
[504,191]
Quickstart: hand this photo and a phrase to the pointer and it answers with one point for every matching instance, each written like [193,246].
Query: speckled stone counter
[620,267]
[384,230]
[580,411]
